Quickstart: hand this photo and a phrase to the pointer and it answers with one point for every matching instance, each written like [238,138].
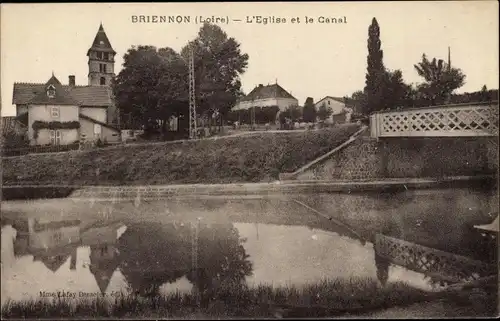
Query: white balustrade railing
[437,121]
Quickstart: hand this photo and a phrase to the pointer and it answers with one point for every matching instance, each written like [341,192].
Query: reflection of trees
[382,269]
[222,261]
[153,254]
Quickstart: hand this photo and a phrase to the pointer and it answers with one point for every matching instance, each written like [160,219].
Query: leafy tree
[397,94]
[309,112]
[265,115]
[376,76]
[218,63]
[358,100]
[11,139]
[292,113]
[324,112]
[484,94]
[151,87]
[440,80]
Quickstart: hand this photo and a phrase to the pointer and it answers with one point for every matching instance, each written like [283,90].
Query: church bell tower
[101,60]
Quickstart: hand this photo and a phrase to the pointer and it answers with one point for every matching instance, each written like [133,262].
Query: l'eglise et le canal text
[277,20]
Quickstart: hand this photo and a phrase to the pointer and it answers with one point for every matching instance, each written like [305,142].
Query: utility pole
[449,59]
[192,96]
[194,258]
[252,115]
[448,95]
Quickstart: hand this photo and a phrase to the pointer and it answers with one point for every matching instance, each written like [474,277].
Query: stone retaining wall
[368,159]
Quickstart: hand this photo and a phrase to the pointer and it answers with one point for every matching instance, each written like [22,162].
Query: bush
[11,140]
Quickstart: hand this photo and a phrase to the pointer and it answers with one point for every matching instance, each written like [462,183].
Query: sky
[309,60]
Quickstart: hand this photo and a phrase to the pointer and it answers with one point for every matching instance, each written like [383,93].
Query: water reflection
[150,258]
[154,254]
[50,242]
[159,247]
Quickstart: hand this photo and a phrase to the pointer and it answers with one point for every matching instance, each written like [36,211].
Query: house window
[102,68]
[103,81]
[106,56]
[54,112]
[99,55]
[57,237]
[328,102]
[51,91]
[55,137]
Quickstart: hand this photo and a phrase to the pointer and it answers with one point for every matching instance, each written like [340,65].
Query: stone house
[60,114]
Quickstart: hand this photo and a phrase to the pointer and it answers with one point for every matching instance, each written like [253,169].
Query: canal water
[153,246]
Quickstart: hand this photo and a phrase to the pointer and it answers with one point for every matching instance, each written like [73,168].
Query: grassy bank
[327,298]
[253,158]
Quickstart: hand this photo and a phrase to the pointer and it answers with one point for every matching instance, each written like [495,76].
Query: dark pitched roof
[101,42]
[53,263]
[103,267]
[98,122]
[62,96]
[92,95]
[53,258]
[88,96]
[269,91]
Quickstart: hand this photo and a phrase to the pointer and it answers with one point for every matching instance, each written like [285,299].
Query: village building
[57,114]
[341,113]
[53,242]
[267,96]
[104,255]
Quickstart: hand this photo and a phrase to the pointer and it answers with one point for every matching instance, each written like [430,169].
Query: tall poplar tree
[376,74]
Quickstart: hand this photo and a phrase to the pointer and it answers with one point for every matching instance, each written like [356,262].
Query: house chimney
[261,85]
[72,80]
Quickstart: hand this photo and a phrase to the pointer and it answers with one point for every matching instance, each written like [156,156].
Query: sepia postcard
[249,160]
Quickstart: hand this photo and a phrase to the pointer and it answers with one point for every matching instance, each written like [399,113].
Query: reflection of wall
[97,235]
[439,218]
[49,242]
[53,234]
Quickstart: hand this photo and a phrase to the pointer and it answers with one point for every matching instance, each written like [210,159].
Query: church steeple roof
[101,42]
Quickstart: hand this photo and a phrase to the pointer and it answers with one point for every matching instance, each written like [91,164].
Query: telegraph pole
[192,96]
[194,259]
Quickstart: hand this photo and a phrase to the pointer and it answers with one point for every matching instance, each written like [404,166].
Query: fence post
[373,126]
